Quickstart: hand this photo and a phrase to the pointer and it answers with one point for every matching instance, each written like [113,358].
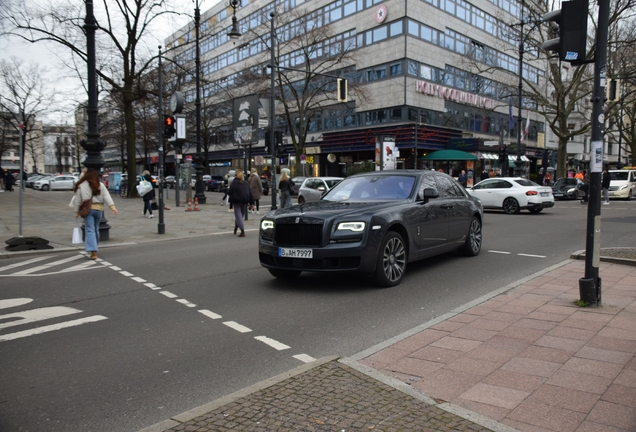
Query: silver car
[315,187]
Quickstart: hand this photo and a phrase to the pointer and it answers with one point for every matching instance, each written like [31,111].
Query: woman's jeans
[285,199]
[239,212]
[147,206]
[91,230]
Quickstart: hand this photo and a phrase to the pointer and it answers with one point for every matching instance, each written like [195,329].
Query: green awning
[450,155]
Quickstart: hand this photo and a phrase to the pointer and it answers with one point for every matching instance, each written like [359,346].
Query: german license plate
[295,253]
[544,194]
[558,194]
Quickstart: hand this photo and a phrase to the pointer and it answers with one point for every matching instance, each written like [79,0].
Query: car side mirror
[427,194]
[321,188]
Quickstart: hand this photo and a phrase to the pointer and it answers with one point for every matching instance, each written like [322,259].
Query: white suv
[622,184]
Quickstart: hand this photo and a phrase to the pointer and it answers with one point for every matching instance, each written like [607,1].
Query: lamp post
[272,109]
[198,158]
[161,226]
[518,163]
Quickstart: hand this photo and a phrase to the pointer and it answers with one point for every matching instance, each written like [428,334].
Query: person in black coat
[150,196]
[9,181]
[605,184]
[240,196]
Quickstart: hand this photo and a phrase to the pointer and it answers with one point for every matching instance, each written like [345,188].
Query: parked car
[33,179]
[622,184]
[566,188]
[315,187]
[373,223]
[169,182]
[215,183]
[512,194]
[297,181]
[205,179]
[55,183]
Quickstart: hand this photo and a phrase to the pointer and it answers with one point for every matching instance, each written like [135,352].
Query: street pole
[161,226]
[272,110]
[198,158]
[519,162]
[590,285]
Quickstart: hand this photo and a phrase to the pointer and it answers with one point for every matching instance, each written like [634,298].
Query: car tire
[391,263]
[284,274]
[629,196]
[472,246]
[511,206]
[535,210]
[301,199]
[45,187]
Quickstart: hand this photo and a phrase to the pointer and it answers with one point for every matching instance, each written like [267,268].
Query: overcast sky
[41,54]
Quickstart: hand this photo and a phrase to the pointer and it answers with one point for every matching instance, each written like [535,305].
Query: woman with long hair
[150,196]
[240,196]
[90,187]
[285,187]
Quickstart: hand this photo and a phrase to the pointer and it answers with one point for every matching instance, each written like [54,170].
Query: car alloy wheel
[45,187]
[391,264]
[511,206]
[472,247]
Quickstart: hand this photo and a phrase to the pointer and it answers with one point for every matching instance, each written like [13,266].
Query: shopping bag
[154,205]
[77,235]
[144,187]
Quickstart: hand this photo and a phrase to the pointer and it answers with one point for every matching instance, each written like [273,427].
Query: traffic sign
[303,159]
[258,160]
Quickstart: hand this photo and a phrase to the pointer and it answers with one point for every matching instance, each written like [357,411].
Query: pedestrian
[585,187]
[257,189]
[149,197]
[1,179]
[463,178]
[605,183]
[579,175]
[240,196]
[230,178]
[89,187]
[9,181]
[484,175]
[285,186]
[491,173]
[547,179]
[540,177]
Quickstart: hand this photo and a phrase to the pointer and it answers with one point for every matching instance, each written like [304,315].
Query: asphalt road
[217,322]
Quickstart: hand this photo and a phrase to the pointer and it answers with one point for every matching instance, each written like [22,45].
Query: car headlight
[571,190]
[267,224]
[351,226]
[623,187]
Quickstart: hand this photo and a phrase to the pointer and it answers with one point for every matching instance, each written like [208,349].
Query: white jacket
[84,192]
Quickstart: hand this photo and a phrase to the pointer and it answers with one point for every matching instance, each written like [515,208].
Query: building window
[396,69]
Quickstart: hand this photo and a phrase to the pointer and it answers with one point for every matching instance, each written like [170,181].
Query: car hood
[329,209]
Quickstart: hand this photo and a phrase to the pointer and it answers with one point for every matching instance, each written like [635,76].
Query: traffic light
[169,126]
[342,90]
[613,90]
[503,153]
[571,45]
[278,137]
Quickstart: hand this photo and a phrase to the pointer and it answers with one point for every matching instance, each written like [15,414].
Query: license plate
[545,194]
[557,194]
[295,253]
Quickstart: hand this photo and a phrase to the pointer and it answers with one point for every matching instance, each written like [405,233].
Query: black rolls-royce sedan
[373,223]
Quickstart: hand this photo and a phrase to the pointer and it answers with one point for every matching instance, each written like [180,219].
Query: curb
[580,255]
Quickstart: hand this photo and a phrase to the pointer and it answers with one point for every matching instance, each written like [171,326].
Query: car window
[486,184]
[525,182]
[618,175]
[445,187]
[427,182]
[504,184]
[332,183]
[367,188]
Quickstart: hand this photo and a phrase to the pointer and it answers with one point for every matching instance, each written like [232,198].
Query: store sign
[312,150]
[454,95]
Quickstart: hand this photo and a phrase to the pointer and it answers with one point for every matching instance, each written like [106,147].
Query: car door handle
[447,206]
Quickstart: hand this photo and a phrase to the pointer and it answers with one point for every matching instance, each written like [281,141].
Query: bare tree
[26,96]
[123,57]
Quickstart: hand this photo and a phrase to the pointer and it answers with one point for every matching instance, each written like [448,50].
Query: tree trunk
[131,164]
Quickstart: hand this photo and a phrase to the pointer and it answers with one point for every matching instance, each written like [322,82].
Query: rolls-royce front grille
[298,234]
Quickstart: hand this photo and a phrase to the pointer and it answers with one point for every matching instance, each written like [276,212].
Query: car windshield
[564,182]
[372,188]
[619,175]
[524,182]
[332,183]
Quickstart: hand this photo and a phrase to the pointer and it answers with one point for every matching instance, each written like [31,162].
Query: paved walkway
[523,358]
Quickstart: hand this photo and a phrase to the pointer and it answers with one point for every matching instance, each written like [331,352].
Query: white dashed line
[499,252]
[237,326]
[273,343]
[106,263]
[304,358]
[532,256]
[152,286]
[168,294]
[138,279]
[115,268]
[186,302]
[125,273]
[210,314]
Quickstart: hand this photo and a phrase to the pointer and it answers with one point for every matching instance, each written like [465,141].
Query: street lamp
[272,109]
[519,162]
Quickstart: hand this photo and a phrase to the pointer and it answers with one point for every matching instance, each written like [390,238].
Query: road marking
[46,266]
[78,267]
[53,327]
[152,286]
[23,263]
[106,263]
[34,315]
[304,358]
[210,314]
[168,294]
[186,302]
[138,279]
[273,343]
[532,256]
[115,268]
[6,304]
[237,326]
[125,273]
[499,252]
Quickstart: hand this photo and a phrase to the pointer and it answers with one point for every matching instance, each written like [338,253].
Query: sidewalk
[523,358]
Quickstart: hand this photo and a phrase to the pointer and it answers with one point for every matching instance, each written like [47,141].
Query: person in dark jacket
[605,184]
[285,186]
[150,196]
[240,196]
[9,181]
[463,178]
